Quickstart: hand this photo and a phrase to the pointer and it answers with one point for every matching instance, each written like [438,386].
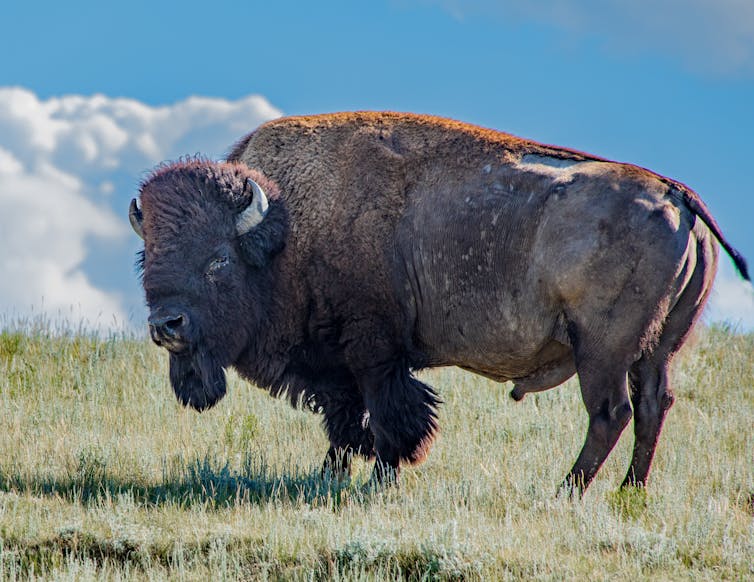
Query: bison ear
[136,218]
[265,238]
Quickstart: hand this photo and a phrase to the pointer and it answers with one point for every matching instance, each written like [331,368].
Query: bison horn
[255,211]
[136,218]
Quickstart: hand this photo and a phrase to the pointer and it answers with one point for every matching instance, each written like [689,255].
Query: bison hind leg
[602,363]
[649,378]
[651,397]
[606,399]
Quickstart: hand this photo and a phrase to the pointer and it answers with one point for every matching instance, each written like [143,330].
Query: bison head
[210,235]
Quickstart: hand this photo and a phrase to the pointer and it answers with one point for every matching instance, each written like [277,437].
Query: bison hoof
[572,487]
[337,464]
[384,475]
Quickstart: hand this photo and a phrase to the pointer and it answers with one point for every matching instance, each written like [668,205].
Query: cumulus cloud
[45,223]
[709,36]
[68,167]
[732,299]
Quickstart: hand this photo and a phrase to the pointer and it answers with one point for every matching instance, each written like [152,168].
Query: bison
[331,256]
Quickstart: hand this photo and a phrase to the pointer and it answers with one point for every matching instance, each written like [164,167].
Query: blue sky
[92,95]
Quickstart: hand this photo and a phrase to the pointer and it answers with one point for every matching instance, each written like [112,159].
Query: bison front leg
[402,417]
[346,423]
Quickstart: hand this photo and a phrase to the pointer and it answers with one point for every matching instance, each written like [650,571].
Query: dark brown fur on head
[195,265]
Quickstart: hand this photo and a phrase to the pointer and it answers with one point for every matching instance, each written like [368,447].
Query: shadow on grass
[210,484]
[204,482]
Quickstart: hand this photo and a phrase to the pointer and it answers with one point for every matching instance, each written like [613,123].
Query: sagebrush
[104,475]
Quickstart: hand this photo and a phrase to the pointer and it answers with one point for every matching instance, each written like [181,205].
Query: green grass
[104,476]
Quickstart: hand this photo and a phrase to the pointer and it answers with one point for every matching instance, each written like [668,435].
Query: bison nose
[168,329]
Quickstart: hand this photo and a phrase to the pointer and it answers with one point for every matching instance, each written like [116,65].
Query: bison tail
[695,204]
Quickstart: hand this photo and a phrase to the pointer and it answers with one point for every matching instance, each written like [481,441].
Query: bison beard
[197,379]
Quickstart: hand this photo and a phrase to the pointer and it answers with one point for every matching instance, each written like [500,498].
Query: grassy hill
[104,475]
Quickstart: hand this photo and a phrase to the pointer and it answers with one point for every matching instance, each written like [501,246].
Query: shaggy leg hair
[346,422]
[402,417]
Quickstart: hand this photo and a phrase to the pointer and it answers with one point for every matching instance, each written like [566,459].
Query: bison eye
[216,265]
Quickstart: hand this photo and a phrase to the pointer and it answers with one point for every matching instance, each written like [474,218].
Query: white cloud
[45,223]
[732,299]
[710,36]
[68,167]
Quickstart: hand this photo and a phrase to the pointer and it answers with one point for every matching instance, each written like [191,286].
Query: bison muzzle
[332,256]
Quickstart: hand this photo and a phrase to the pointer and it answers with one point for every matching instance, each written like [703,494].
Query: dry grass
[103,475]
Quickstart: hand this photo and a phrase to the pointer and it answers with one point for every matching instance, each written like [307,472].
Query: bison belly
[476,301]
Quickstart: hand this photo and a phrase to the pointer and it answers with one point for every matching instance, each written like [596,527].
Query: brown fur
[400,241]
